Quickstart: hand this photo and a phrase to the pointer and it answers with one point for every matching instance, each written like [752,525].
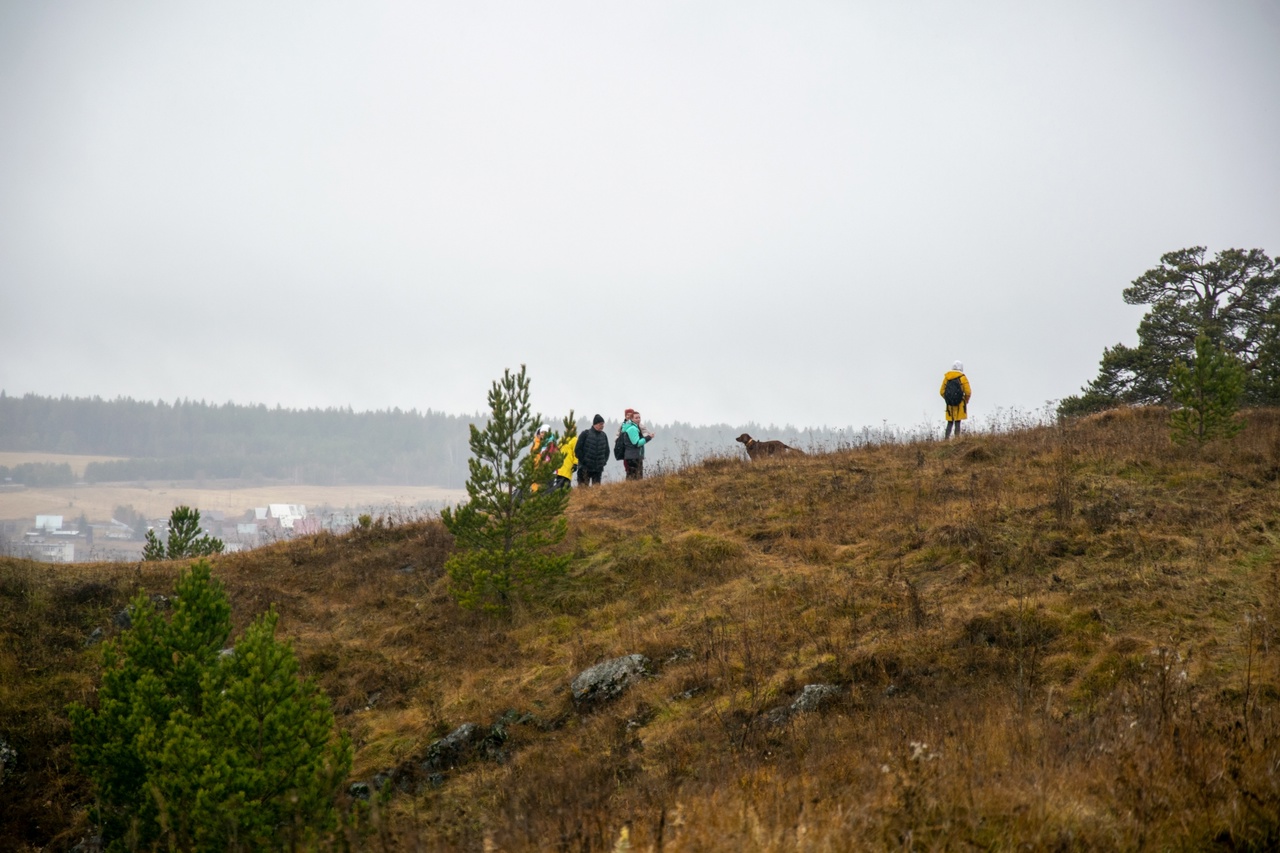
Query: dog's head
[744,438]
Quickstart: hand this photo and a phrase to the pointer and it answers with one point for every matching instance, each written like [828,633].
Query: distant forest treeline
[188,440]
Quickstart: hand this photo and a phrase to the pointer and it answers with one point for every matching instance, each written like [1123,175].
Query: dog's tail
[795,450]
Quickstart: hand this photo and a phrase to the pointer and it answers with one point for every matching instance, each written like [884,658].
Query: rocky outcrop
[124,618]
[453,749]
[812,697]
[8,758]
[608,680]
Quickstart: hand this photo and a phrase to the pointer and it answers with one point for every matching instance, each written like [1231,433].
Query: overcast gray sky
[714,212]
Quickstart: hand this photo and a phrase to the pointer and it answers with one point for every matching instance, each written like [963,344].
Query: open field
[11,458]
[157,499]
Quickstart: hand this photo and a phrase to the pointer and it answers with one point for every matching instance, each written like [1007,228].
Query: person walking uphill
[633,441]
[593,453]
[955,393]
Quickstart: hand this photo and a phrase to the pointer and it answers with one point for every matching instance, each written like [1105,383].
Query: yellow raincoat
[960,412]
[570,449]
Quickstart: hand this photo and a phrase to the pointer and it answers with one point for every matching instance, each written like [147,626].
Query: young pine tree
[504,529]
[1208,393]
[184,538]
[191,748]
[151,672]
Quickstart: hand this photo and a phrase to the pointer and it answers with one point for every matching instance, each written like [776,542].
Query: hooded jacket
[570,458]
[960,412]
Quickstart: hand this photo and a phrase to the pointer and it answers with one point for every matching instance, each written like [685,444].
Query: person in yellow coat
[565,474]
[955,393]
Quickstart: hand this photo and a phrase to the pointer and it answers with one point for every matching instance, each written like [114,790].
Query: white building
[287,514]
[52,552]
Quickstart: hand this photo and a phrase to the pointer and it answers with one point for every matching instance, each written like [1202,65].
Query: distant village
[58,539]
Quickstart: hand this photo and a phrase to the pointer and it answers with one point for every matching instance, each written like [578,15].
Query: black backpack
[620,446]
[953,391]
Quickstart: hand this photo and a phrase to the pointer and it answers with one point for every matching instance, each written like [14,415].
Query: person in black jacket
[593,453]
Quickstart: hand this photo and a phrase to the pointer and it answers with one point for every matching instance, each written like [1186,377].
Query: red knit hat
[630,412]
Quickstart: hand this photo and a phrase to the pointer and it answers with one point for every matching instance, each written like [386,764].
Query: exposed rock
[359,790]
[811,698]
[608,680]
[89,844]
[8,759]
[95,637]
[452,749]
[124,619]
[814,696]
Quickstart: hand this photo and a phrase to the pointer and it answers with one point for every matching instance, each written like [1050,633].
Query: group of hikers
[586,454]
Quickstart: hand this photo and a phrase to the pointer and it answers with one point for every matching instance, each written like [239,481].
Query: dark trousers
[951,424]
[588,478]
[634,468]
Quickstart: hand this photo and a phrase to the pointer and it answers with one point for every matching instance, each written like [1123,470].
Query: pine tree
[504,529]
[184,538]
[152,671]
[191,748]
[1208,393]
[1234,298]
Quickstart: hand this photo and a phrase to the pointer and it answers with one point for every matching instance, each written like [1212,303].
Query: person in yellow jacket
[565,474]
[956,395]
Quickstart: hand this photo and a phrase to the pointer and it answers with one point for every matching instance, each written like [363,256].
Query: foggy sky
[791,213]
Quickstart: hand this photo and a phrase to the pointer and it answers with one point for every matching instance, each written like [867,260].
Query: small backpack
[953,391]
[620,446]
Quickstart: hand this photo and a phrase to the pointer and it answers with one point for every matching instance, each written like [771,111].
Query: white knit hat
[958,365]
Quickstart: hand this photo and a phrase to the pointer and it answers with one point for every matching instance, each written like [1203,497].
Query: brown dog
[764,449]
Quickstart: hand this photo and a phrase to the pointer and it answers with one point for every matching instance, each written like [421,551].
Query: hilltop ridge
[1063,637]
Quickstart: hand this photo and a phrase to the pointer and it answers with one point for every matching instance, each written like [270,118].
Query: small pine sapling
[504,529]
[184,538]
[1208,395]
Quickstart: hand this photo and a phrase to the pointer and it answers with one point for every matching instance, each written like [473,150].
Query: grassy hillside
[1057,639]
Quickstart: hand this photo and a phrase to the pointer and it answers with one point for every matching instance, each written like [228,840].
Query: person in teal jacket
[635,440]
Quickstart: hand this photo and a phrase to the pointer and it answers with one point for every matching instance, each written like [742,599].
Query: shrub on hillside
[192,747]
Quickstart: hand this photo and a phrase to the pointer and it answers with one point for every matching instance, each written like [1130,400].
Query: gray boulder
[8,759]
[812,697]
[452,749]
[608,680]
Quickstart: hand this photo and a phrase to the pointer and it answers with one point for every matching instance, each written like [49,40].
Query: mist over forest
[197,440]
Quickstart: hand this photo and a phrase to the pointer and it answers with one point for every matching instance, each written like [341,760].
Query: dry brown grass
[1056,639]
